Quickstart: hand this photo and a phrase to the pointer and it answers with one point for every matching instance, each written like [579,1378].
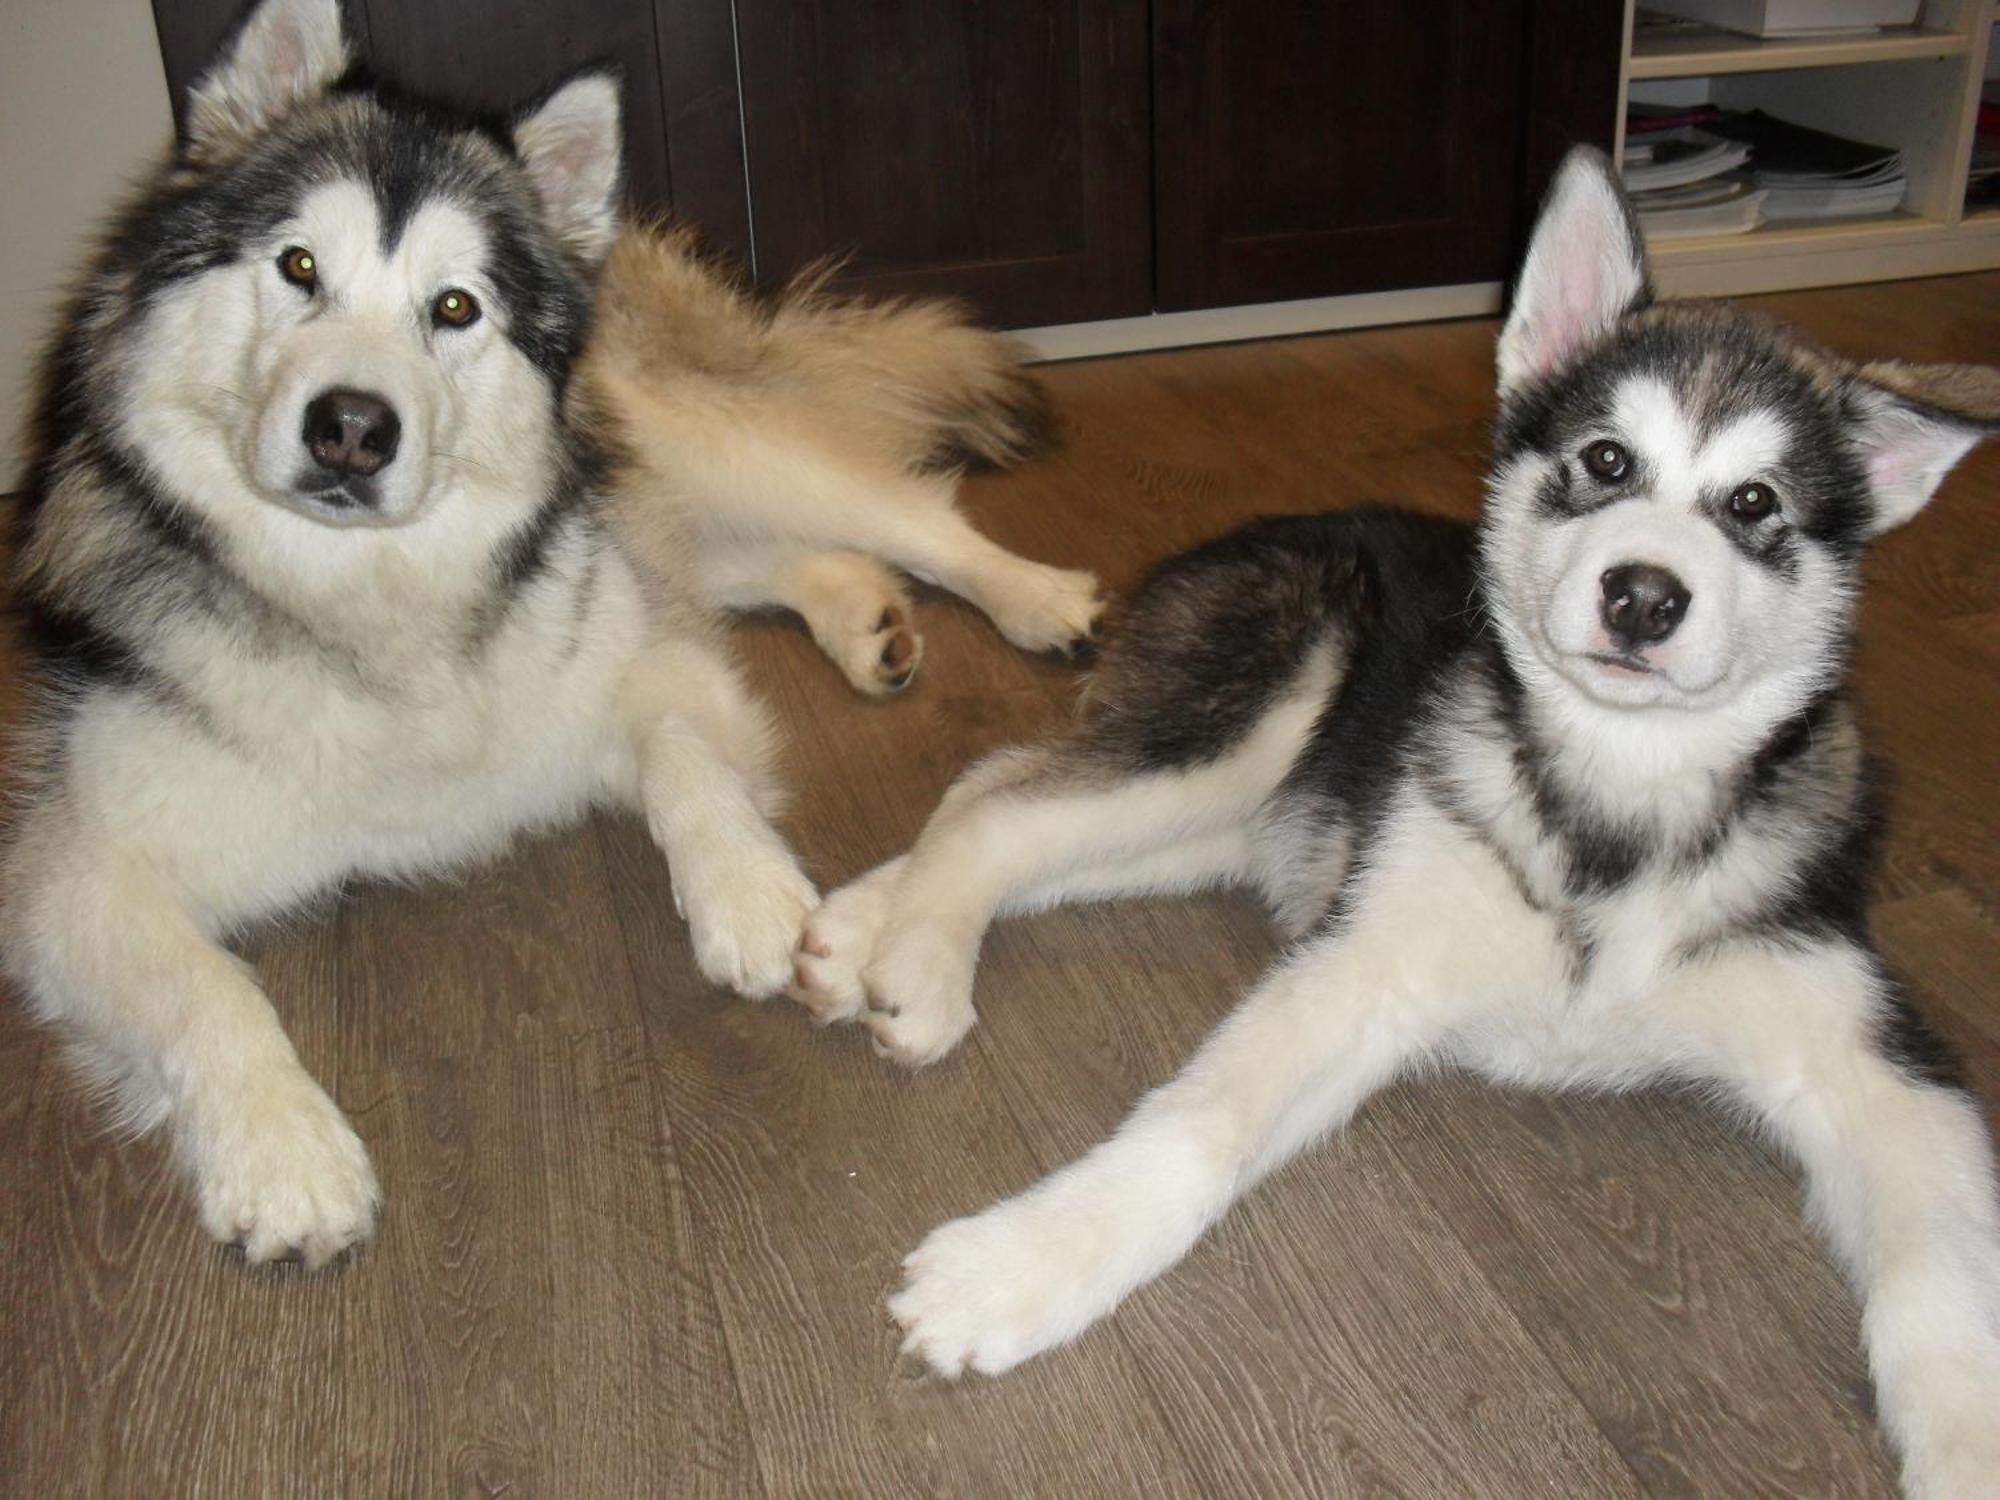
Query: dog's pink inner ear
[571,148]
[1583,272]
[288,51]
[1909,447]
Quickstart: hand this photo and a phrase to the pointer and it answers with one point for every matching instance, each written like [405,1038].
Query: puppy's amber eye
[1607,460]
[1753,502]
[454,309]
[300,267]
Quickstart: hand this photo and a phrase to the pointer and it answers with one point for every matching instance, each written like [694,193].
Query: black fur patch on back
[1420,613]
[1210,641]
[1205,645]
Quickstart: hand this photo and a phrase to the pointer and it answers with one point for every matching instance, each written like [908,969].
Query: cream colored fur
[777,453]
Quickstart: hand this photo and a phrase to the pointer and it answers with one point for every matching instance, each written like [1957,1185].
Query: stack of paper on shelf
[1679,157]
[1701,170]
[1811,174]
[1686,181]
[1725,205]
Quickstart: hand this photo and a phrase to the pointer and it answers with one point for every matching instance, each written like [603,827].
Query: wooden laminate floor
[638,1233]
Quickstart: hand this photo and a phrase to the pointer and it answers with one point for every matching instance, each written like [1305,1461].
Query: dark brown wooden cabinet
[994,151]
[1051,160]
[1313,149]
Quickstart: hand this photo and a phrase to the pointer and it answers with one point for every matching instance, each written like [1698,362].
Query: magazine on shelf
[1681,157]
[1781,149]
[1737,214]
[1814,174]
[1682,184]
[1791,204]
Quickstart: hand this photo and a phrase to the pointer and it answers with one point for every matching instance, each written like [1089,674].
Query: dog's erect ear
[1586,269]
[570,144]
[1915,422]
[285,52]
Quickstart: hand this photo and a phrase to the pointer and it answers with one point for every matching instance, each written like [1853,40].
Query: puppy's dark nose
[1642,604]
[351,432]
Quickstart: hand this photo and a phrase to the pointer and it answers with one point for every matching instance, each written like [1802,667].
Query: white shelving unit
[1916,88]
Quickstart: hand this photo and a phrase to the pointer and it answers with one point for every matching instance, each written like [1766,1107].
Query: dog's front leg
[180,1031]
[1900,1178]
[1344,1012]
[702,747]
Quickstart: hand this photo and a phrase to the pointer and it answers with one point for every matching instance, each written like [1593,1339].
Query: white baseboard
[1261,320]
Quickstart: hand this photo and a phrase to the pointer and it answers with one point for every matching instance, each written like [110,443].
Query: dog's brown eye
[300,267]
[454,309]
[1607,460]
[1753,502]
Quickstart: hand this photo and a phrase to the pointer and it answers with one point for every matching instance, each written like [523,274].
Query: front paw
[279,1171]
[990,1291]
[1946,1403]
[744,917]
[838,941]
[919,993]
[1051,609]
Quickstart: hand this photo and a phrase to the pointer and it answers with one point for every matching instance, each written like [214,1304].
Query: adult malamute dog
[1576,800]
[333,569]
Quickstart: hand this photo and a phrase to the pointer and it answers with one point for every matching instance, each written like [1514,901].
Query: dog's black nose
[351,432]
[1642,604]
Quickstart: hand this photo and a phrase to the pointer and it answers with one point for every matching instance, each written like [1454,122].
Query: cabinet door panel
[1308,149]
[1574,51]
[996,152]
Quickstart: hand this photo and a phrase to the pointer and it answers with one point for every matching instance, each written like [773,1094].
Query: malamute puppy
[333,569]
[1575,800]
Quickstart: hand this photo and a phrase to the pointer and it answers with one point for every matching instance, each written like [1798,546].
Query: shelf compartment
[1821,234]
[1788,257]
[1706,53]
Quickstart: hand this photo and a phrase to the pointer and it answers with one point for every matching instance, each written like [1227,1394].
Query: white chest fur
[308,764]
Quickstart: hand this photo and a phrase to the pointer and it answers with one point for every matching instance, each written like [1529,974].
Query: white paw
[279,1171]
[1964,1464]
[744,916]
[1949,1406]
[1050,609]
[881,651]
[1003,1286]
[919,992]
[838,940]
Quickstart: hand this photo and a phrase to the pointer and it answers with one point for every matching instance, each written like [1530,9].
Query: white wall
[83,109]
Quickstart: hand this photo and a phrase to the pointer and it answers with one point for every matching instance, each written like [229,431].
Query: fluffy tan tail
[962,390]
[913,380]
